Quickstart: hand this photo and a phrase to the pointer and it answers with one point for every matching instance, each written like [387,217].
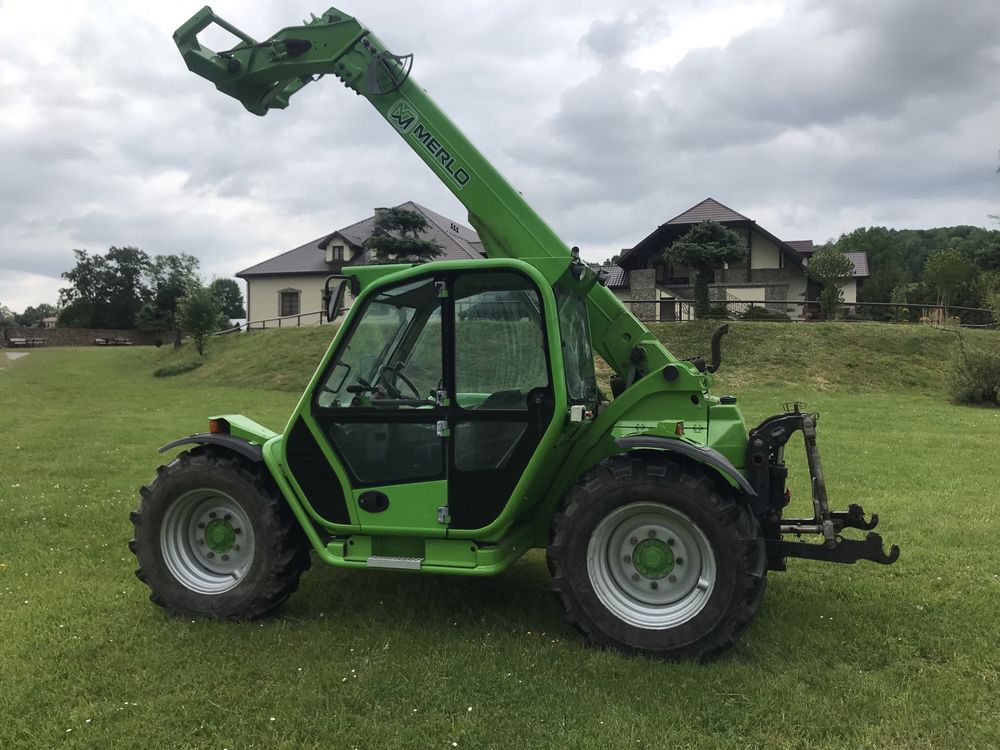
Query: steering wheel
[390,386]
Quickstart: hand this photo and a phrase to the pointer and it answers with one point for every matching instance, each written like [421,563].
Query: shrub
[178,369]
[755,312]
[718,311]
[976,376]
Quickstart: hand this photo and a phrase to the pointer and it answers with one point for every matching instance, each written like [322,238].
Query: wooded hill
[898,259]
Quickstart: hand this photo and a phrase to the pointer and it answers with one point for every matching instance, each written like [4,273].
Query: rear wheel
[655,556]
[214,539]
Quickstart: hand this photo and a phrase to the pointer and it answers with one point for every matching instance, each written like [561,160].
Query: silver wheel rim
[207,541]
[651,565]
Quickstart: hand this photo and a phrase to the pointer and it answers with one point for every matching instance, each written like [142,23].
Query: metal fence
[286,321]
[677,310]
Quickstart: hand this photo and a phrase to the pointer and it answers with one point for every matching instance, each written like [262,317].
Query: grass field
[839,657]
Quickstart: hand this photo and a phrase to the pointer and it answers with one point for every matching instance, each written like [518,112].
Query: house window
[338,252]
[288,302]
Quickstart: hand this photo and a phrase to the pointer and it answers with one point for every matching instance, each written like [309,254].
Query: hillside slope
[819,356]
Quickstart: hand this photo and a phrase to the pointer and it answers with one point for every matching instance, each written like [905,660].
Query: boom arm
[264,75]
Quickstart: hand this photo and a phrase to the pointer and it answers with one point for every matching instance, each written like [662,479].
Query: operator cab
[445,381]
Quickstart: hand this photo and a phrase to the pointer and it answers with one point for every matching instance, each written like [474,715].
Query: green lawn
[839,656]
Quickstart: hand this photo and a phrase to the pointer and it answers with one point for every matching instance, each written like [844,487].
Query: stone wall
[78,336]
[642,283]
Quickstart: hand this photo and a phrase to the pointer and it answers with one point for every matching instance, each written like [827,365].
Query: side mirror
[333,296]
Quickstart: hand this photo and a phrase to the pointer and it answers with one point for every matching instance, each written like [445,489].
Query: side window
[392,358]
[376,399]
[578,357]
[499,341]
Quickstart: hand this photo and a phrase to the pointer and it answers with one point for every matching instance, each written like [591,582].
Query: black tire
[267,576]
[689,494]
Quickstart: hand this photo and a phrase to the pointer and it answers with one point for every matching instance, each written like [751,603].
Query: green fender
[708,456]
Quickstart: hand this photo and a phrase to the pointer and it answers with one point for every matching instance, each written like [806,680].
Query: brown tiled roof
[860,261]
[457,242]
[805,247]
[708,210]
[617,277]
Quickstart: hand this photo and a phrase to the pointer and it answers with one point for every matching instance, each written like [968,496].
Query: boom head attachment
[264,75]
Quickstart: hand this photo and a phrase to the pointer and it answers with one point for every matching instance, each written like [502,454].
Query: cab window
[392,358]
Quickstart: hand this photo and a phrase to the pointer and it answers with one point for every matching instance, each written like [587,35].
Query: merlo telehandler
[455,421]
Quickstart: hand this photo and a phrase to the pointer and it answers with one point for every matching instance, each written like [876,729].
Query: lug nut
[679,561]
[670,541]
[654,585]
[237,531]
[652,533]
[672,579]
[201,525]
[226,517]
[635,577]
[211,555]
[236,548]
[633,540]
[628,558]
[225,557]
[212,514]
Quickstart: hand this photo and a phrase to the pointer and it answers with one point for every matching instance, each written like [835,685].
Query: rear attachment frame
[766,472]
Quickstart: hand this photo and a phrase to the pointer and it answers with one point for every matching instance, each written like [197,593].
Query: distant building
[49,322]
[291,284]
[773,274]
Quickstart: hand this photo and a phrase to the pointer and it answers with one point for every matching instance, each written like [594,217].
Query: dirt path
[14,355]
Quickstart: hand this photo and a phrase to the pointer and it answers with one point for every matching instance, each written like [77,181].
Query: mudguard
[235,444]
[708,456]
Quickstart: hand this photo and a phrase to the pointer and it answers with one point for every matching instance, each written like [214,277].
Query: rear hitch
[766,472]
[843,551]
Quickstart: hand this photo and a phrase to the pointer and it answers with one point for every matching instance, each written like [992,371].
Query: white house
[291,284]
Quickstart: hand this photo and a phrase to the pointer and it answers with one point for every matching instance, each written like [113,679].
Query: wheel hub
[652,559]
[220,535]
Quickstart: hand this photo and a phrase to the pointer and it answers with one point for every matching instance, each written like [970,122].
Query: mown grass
[839,656]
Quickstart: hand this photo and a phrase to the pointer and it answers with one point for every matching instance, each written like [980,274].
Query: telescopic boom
[264,76]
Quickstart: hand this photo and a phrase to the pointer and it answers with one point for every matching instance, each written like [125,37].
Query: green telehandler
[455,421]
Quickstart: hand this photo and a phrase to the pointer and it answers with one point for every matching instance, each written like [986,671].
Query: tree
[198,313]
[704,248]
[229,296]
[171,277]
[945,272]
[613,260]
[396,238]
[33,316]
[7,316]
[106,291]
[833,270]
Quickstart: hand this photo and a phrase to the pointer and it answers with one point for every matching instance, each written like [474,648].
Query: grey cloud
[831,112]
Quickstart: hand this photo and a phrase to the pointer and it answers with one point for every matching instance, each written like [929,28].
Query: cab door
[380,407]
[501,394]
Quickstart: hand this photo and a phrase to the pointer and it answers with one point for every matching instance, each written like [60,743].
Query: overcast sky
[811,117]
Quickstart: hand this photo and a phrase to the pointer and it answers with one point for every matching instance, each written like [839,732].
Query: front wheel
[653,556]
[214,539]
